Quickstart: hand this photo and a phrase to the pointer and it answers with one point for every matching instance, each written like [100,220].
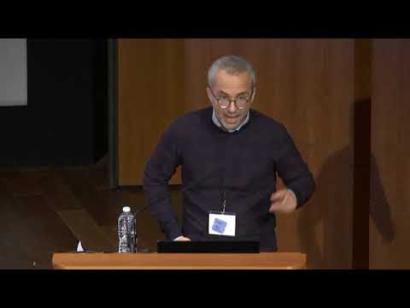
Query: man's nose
[232,106]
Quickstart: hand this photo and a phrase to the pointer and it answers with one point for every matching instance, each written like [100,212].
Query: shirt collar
[218,123]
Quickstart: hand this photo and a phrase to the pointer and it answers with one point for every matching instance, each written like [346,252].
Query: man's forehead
[226,74]
[233,82]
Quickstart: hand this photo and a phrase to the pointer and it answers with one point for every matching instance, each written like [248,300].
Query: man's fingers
[278,201]
[182,239]
[278,196]
[274,206]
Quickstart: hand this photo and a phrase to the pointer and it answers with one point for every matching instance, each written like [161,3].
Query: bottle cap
[126,209]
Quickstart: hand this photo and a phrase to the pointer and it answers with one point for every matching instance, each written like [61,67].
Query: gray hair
[232,65]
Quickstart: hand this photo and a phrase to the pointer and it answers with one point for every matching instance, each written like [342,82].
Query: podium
[180,261]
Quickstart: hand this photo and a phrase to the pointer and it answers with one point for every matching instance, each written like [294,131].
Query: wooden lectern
[180,261]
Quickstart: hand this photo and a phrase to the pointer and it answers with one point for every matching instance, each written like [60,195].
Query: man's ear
[208,92]
[253,94]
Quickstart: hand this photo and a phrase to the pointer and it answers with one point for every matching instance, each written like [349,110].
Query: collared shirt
[218,123]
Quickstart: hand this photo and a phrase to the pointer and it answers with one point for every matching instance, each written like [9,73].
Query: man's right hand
[182,239]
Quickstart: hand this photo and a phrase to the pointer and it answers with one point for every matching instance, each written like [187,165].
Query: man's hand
[182,239]
[283,201]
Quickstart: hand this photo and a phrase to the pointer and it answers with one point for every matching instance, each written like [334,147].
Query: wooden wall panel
[390,195]
[150,90]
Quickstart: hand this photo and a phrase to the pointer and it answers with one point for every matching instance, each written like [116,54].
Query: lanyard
[224,202]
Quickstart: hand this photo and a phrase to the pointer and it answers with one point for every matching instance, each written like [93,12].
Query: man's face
[238,86]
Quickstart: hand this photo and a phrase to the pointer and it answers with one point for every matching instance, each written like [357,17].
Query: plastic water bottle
[126,231]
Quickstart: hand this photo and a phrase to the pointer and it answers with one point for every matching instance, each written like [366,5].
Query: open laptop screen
[208,246]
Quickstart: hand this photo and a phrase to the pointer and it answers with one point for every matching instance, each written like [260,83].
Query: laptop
[208,246]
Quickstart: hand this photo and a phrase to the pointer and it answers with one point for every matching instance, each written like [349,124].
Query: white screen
[13,72]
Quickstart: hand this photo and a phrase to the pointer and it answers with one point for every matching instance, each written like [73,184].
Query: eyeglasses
[224,101]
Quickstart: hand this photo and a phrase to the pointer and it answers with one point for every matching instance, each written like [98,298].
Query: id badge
[223,224]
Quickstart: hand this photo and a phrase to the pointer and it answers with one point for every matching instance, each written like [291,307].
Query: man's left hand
[283,201]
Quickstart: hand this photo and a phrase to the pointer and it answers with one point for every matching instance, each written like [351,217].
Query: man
[230,156]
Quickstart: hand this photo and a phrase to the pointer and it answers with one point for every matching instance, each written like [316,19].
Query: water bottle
[126,231]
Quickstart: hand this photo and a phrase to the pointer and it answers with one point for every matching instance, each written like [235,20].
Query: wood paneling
[150,90]
[181,261]
[390,196]
[361,154]
[49,210]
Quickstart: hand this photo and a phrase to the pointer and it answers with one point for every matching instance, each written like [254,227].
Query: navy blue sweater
[241,166]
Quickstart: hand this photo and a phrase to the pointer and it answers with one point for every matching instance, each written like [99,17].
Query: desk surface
[180,261]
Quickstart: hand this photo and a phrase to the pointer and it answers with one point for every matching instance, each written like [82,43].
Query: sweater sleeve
[293,170]
[158,171]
